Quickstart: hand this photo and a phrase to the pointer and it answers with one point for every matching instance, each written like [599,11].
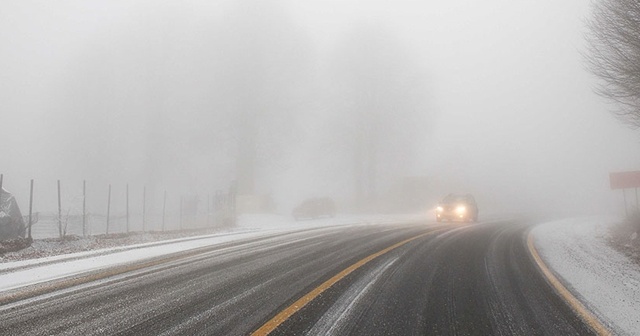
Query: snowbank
[605,280]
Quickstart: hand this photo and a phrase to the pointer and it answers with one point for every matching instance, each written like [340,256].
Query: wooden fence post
[164,207]
[84,208]
[108,207]
[144,208]
[59,212]
[30,208]
[127,207]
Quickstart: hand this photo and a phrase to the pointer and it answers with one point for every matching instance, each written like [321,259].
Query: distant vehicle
[315,208]
[457,207]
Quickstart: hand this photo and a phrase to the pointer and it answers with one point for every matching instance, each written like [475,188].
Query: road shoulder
[603,279]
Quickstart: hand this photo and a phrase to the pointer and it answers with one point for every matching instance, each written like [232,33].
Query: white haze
[487,97]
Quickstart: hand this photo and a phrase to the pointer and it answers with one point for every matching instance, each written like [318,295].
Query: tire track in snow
[336,320]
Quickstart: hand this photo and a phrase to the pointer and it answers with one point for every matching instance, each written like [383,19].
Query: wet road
[392,279]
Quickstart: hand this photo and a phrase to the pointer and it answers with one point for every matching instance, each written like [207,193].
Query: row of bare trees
[236,102]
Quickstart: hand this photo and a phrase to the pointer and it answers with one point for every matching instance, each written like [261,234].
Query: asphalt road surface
[392,279]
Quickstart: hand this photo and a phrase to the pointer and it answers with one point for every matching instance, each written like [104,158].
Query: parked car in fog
[461,207]
[315,208]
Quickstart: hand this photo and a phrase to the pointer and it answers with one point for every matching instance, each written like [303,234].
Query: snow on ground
[278,222]
[22,273]
[576,250]
[605,280]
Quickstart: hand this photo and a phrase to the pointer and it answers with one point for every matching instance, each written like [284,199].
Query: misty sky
[146,92]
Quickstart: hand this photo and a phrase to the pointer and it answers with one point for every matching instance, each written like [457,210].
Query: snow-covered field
[605,280]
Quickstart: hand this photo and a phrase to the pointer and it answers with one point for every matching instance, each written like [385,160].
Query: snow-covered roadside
[52,250]
[27,272]
[605,280]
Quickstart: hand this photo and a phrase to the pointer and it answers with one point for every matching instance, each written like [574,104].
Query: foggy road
[405,279]
[130,122]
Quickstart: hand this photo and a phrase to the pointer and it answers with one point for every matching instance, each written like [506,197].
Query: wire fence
[82,209]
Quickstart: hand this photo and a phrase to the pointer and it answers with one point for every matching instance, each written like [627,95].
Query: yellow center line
[277,320]
[577,306]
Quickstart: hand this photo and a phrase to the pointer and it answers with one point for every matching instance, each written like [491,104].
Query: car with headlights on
[315,208]
[460,207]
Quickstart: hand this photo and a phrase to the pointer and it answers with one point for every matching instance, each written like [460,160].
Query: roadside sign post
[626,180]
[624,196]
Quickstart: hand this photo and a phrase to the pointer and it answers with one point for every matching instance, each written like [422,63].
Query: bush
[14,245]
[633,221]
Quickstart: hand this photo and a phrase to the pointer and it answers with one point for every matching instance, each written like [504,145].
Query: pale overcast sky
[511,112]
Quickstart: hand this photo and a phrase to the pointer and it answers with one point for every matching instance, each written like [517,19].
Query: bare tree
[262,67]
[381,93]
[64,224]
[614,55]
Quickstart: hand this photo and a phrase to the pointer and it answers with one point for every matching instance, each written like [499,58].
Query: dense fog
[383,106]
